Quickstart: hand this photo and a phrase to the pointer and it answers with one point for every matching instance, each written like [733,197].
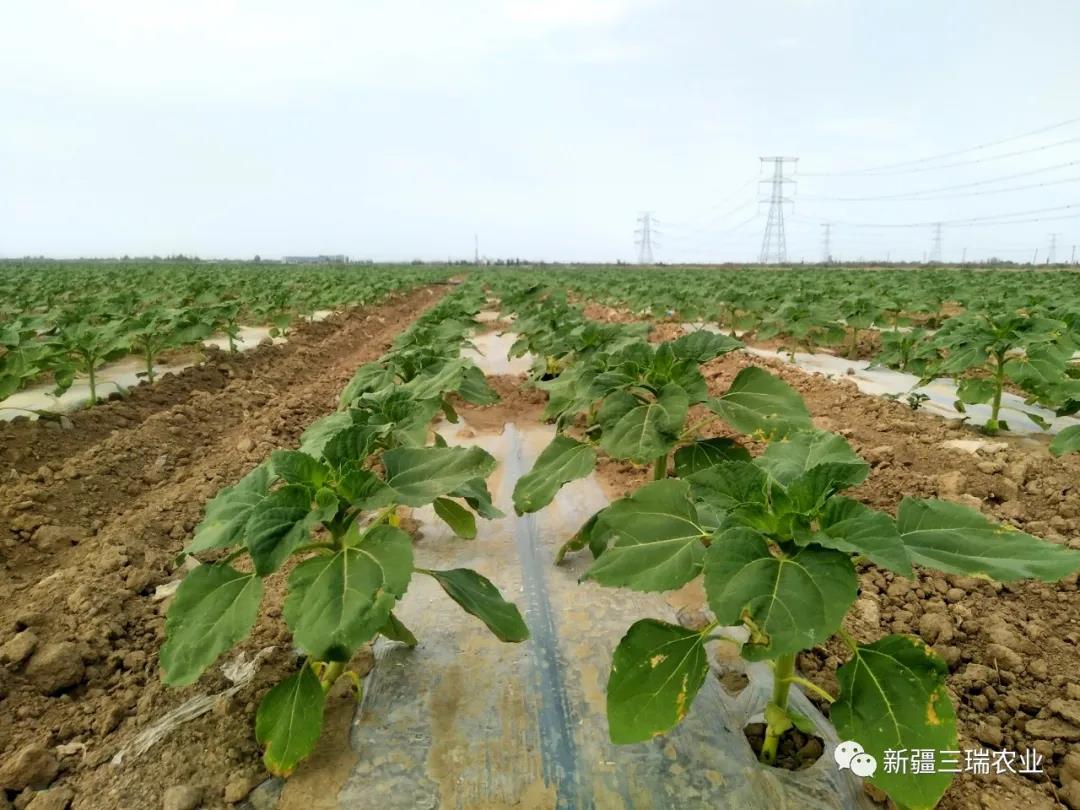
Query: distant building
[338,258]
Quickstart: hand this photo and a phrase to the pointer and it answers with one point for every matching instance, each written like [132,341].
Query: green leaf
[757,403]
[289,721]
[849,526]
[708,453]
[703,345]
[649,430]
[369,377]
[656,672]
[363,489]
[395,630]
[790,603]
[319,432]
[893,697]
[214,607]
[959,540]
[298,468]
[658,542]
[474,388]
[338,602]
[972,391]
[477,496]
[278,524]
[1067,441]
[227,514]
[479,597]
[351,445]
[796,454]
[561,461]
[457,517]
[419,475]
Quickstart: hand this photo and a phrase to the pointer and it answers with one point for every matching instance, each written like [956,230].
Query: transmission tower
[646,233]
[476,248]
[826,242]
[774,243]
[1051,255]
[935,246]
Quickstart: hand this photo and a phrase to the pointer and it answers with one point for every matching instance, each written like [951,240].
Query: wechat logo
[849,754]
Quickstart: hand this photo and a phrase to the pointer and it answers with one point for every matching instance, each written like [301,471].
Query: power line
[995,218]
[905,195]
[774,225]
[907,163]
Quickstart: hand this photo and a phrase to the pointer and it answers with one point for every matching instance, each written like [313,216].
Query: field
[539,537]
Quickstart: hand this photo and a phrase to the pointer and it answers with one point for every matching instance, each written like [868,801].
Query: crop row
[326,516]
[58,320]
[761,518]
[988,330]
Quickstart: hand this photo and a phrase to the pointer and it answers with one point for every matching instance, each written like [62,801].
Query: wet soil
[93,518]
[795,751]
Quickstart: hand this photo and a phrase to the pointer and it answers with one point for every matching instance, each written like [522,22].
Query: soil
[1013,650]
[94,518]
[795,751]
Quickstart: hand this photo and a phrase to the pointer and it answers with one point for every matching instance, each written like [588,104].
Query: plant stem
[149,366]
[93,384]
[659,472]
[999,384]
[782,672]
[331,674]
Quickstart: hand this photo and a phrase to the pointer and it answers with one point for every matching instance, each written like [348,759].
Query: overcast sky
[398,129]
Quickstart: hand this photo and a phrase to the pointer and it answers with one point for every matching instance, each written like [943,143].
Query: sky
[398,129]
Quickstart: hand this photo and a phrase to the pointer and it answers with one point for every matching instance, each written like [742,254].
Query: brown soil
[1013,650]
[28,445]
[520,403]
[796,750]
[93,525]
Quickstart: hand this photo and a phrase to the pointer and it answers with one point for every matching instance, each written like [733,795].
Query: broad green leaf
[656,672]
[790,457]
[214,607]
[395,630]
[658,542]
[703,345]
[759,404]
[477,496]
[457,517]
[1067,441]
[298,468]
[228,512]
[289,721]
[474,388]
[319,432]
[849,526]
[707,453]
[893,697]
[418,475]
[339,601]
[369,377]
[959,540]
[649,430]
[561,461]
[350,446]
[790,603]
[278,524]
[478,596]
[972,391]
[432,384]
[363,489]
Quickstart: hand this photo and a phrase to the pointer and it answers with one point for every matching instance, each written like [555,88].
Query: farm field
[199,577]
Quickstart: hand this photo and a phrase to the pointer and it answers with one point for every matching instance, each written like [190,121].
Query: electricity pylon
[774,242]
[645,241]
